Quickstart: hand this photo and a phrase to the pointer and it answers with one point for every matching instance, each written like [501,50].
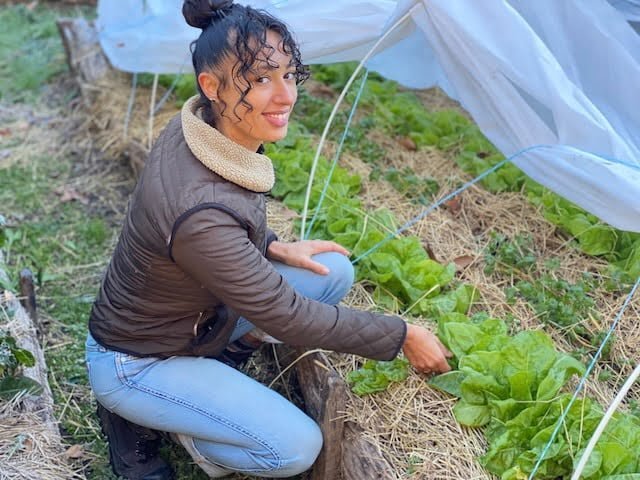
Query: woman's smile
[277,119]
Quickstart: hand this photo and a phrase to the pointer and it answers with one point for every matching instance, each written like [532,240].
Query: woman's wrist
[410,336]
[276,251]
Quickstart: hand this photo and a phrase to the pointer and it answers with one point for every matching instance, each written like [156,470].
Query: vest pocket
[213,334]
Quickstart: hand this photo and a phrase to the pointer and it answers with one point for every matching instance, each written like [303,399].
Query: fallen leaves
[74,451]
[463,261]
[454,205]
[408,144]
[68,193]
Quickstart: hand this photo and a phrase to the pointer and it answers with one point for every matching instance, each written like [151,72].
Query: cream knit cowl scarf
[223,156]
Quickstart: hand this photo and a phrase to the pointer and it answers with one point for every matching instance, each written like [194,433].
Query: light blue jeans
[236,423]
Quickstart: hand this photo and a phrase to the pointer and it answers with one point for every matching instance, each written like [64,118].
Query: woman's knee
[339,280]
[293,453]
[300,453]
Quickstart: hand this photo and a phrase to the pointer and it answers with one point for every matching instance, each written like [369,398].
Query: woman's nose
[286,93]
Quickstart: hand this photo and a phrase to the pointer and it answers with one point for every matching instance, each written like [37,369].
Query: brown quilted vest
[191,259]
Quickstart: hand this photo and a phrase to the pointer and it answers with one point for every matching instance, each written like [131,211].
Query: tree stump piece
[84,54]
[22,328]
[361,459]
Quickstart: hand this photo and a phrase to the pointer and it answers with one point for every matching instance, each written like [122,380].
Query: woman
[196,270]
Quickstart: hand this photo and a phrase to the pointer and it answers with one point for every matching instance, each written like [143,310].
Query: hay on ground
[28,450]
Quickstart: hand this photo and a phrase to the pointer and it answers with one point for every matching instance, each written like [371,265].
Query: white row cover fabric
[563,74]
[631,11]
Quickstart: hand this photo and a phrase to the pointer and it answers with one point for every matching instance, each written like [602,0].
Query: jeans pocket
[129,366]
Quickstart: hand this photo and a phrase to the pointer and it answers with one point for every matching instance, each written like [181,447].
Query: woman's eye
[262,79]
[290,75]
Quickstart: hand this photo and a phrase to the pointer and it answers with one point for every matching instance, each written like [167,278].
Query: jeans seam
[179,401]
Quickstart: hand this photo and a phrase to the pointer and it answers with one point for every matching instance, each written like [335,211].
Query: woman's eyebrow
[267,64]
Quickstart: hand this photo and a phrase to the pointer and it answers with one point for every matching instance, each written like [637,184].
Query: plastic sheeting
[630,9]
[560,74]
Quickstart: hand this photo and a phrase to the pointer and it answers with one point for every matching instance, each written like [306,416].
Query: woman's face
[272,94]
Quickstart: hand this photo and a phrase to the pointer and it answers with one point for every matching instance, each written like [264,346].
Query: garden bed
[411,423]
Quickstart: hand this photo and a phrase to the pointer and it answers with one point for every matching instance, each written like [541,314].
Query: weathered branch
[361,459]
[22,328]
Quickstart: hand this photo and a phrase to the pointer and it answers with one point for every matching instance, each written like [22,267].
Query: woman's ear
[209,84]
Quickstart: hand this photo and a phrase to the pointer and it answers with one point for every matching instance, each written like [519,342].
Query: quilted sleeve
[212,247]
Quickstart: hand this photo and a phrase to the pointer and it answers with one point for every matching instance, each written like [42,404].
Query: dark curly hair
[230,30]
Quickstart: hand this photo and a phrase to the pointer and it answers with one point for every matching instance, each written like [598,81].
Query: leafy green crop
[593,237]
[12,358]
[376,376]
[511,385]
[564,305]
[510,256]
[402,274]
[313,113]
[184,85]
[400,113]
[409,184]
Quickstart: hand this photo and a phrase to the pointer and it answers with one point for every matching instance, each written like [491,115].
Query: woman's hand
[298,254]
[424,351]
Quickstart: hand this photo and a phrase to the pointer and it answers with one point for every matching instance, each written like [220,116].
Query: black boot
[237,353]
[133,450]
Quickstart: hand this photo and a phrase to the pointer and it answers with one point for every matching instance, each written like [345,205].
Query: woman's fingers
[321,246]
[315,267]
[424,351]
[442,365]
[444,350]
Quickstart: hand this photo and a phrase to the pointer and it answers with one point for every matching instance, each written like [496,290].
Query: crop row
[401,114]
[508,384]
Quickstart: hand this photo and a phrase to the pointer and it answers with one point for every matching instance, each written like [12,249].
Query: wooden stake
[28,294]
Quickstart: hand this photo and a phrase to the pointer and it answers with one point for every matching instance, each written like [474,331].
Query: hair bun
[199,13]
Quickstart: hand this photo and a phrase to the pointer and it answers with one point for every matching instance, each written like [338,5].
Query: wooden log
[84,54]
[361,459]
[28,295]
[325,395]
[22,328]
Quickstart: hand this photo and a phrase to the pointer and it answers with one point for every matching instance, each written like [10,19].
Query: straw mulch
[411,423]
[119,129]
[28,450]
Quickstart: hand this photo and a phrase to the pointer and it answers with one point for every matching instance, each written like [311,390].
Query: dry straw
[28,451]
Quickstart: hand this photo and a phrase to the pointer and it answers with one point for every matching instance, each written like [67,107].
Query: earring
[212,100]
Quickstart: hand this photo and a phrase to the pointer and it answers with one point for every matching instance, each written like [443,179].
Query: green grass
[30,52]
[66,248]
[65,244]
